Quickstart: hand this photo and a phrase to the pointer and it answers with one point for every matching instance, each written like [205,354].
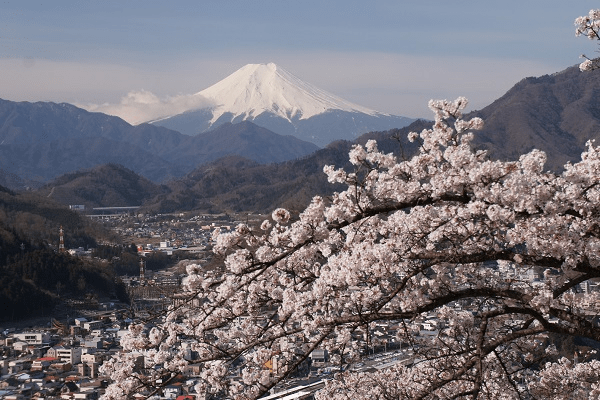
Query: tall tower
[142,270]
[61,243]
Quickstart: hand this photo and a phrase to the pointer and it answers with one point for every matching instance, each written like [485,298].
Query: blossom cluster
[589,26]
[443,230]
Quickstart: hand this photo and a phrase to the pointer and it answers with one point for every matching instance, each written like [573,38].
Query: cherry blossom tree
[496,252]
[589,26]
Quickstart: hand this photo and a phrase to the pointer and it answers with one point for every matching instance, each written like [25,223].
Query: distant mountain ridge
[556,113]
[43,140]
[272,97]
[245,139]
[232,183]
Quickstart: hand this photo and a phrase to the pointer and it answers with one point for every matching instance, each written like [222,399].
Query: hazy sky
[391,56]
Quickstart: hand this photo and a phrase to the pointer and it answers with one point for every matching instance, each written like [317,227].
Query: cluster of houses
[168,233]
[54,364]
[44,364]
[63,362]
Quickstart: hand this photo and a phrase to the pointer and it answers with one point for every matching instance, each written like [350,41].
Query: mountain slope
[44,161]
[25,122]
[277,100]
[103,186]
[237,184]
[33,275]
[42,140]
[555,113]
[15,182]
[245,139]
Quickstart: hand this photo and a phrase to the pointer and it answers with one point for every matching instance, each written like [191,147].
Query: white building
[91,358]
[71,355]
[33,337]
[92,325]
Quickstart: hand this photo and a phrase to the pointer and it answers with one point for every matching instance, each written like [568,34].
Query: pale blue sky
[391,56]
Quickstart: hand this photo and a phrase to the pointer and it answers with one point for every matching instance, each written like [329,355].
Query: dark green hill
[109,185]
[33,274]
[39,219]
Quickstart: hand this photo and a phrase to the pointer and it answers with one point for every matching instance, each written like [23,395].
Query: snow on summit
[271,97]
[258,88]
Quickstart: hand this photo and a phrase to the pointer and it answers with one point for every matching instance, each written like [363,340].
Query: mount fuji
[273,98]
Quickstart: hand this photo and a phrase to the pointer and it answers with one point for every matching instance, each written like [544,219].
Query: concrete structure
[319,357]
[71,355]
[88,369]
[92,325]
[33,337]
[91,358]
[94,343]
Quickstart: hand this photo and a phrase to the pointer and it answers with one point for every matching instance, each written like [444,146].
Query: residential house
[71,355]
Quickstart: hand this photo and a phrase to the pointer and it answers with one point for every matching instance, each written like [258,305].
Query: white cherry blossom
[494,251]
[589,26]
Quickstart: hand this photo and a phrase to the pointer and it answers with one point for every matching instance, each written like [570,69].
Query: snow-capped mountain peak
[258,88]
[273,98]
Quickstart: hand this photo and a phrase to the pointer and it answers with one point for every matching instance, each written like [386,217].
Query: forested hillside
[34,276]
[108,185]
[237,184]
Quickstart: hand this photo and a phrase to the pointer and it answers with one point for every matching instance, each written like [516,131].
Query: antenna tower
[61,243]
[142,270]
